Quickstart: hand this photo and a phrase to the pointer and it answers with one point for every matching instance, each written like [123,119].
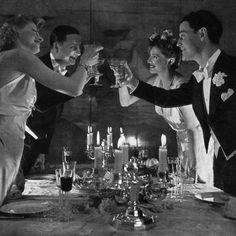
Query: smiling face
[68,51]
[189,42]
[157,61]
[29,38]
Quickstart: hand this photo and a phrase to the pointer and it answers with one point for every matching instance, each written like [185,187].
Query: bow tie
[60,70]
[201,74]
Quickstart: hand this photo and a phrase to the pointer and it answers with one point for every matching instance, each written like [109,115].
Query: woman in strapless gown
[19,41]
[163,61]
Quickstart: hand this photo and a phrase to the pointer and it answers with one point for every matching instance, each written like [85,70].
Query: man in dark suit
[65,42]
[211,91]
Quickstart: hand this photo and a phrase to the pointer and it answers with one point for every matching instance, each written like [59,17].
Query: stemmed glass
[66,185]
[70,165]
[58,173]
[93,71]
[117,65]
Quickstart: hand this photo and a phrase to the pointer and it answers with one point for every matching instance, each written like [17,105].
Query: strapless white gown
[17,99]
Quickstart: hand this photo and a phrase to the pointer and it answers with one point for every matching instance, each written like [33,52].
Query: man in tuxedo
[65,42]
[211,91]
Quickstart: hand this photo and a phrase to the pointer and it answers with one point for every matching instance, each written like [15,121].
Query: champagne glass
[93,70]
[117,65]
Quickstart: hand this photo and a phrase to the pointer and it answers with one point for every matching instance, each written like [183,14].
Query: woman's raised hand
[122,73]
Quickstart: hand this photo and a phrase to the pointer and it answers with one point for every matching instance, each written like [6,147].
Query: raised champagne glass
[117,66]
[93,70]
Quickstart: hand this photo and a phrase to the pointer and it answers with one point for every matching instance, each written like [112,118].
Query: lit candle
[91,136]
[163,165]
[109,136]
[98,157]
[121,140]
[88,137]
[121,130]
[118,154]
[98,138]
[125,150]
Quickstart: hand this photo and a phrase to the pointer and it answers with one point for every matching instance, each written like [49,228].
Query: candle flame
[121,130]
[163,140]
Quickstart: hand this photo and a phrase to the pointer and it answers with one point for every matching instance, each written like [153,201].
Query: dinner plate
[213,197]
[41,177]
[27,207]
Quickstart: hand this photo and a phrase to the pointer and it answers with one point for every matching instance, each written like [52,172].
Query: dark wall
[108,22]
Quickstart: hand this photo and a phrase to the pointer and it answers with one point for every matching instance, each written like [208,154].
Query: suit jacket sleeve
[165,98]
[46,97]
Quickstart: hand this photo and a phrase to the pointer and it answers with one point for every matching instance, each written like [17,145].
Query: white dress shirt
[56,66]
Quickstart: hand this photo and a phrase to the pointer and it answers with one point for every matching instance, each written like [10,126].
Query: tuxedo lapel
[47,60]
[221,65]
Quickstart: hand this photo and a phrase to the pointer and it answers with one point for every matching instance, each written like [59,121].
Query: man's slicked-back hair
[207,19]
[60,32]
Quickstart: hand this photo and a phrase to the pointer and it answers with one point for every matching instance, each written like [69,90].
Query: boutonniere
[218,79]
[225,96]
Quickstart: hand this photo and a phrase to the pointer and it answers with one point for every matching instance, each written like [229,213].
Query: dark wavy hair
[60,32]
[207,19]
[167,44]
[8,32]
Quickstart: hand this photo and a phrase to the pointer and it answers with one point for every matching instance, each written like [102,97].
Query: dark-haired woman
[164,59]
[19,41]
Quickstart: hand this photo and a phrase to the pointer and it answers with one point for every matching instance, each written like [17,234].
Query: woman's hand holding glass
[124,75]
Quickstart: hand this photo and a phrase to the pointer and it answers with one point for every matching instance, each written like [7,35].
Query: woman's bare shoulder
[10,56]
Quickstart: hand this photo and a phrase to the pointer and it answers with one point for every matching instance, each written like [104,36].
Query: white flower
[225,96]
[218,79]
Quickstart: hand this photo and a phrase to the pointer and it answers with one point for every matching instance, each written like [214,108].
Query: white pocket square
[225,96]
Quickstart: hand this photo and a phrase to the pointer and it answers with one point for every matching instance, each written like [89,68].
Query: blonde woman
[19,41]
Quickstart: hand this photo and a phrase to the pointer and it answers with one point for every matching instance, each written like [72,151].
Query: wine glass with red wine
[66,184]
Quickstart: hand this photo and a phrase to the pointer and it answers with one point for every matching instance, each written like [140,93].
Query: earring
[171,61]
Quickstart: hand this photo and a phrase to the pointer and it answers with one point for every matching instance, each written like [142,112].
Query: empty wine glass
[58,173]
[66,154]
[117,65]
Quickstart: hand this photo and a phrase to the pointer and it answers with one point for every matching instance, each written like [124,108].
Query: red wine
[66,183]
